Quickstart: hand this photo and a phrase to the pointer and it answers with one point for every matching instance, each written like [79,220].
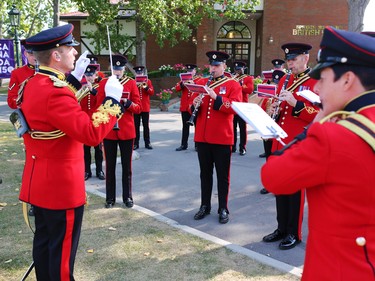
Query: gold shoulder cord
[357,123]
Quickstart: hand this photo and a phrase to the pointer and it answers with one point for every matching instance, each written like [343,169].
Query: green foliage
[174,20]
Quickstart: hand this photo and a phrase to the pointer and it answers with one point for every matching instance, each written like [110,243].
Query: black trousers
[185,116]
[55,243]
[267,144]
[126,151]
[218,156]
[98,158]
[145,116]
[237,120]
[289,210]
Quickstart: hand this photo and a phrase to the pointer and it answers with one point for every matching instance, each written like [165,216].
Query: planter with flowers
[165,96]
[166,70]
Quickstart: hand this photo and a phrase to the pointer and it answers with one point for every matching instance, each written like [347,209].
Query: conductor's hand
[81,65]
[113,88]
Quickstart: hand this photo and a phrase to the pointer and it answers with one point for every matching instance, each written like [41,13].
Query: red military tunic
[247,85]
[145,96]
[52,176]
[185,94]
[133,106]
[293,120]
[337,169]
[18,76]
[215,117]
[89,103]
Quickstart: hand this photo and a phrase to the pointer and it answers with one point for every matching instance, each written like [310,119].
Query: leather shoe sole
[109,205]
[129,202]
[203,211]
[242,152]
[100,175]
[264,191]
[148,146]
[223,216]
[181,148]
[273,237]
[289,242]
[263,155]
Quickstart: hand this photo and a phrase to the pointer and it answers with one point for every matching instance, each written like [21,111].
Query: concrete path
[167,182]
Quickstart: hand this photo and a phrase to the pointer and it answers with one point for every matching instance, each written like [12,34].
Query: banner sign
[7,59]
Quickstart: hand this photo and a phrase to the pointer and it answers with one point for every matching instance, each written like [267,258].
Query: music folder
[310,96]
[186,76]
[257,118]
[141,79]
[201,89]
[266,90]
[267,74]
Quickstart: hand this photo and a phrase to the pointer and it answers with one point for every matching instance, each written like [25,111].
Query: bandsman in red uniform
[19,75]
[52,180]
[266,104]
[247,85]
[94,60]
[335,162]
[293,115]
[146,90]
[121,136]
[184,105]
[88,103]
[214,133]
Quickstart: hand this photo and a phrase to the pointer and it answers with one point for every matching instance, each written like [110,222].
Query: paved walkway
[166,182]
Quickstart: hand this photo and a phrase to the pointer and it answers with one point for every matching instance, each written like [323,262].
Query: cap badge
[118,63]
[214,56]
[286,50]
[344,60]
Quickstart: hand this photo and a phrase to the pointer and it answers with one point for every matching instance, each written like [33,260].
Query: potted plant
[165,95]
[166,69]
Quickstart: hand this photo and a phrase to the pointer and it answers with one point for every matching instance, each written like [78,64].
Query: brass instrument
[194,114]
[276,112]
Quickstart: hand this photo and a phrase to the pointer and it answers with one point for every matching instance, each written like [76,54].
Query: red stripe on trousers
[67,246]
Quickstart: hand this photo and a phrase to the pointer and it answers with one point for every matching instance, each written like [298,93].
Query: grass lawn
[116,244]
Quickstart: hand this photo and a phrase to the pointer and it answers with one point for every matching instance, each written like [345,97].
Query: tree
[356,13]
[170,21]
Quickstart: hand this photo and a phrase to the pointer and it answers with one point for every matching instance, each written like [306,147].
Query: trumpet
[191,121]
[276,112]
[142,85]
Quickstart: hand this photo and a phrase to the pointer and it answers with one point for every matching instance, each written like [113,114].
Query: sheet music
[196,88]
[186,76]
[257,118]
[266,89]
[309,95]
[141,78]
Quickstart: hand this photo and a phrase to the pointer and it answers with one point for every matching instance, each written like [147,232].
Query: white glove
[113,88]
[81,65]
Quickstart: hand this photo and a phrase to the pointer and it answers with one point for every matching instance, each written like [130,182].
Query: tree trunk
[56,12]
[356,13]
[140,45]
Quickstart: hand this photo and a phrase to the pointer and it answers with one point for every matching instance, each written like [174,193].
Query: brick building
[256,40]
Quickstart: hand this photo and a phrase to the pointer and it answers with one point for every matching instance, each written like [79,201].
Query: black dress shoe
[87,176]
[129,202]
[182,147]
[234,149]
[223,216]
[242,151]
[109,204]
[203,211]
[264,191]
[100,175]
[135,147]
[274,236]
[289,242]
[148,146]
[263,155]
